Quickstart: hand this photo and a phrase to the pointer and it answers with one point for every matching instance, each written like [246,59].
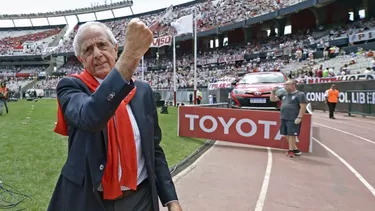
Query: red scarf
[121,144]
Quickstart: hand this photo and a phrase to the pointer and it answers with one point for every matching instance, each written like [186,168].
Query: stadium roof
[13,18]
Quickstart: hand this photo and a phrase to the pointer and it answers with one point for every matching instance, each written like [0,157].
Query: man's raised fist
[138,39]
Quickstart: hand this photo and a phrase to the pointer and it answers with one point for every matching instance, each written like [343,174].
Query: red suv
[253,90]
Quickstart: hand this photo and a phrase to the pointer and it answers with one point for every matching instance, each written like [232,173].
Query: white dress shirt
[142,172]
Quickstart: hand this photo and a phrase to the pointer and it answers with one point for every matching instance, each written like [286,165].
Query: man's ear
[116,51]
[80,59]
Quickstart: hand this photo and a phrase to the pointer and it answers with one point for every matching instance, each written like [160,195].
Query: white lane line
[263,193]
[347,133]
[356,173]
[30,112]
[355,119]
[344,123]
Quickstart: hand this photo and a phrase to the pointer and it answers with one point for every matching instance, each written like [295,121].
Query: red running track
[337,176]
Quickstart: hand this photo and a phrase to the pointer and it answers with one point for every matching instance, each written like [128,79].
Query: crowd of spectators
[15,42]
[10,71]
[16,83]
[210,14]
[349,29]
[19,76]
[47,83]
[360,62]
[213,65]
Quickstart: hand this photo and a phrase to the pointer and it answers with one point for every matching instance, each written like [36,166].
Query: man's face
[97,53]
[289,87]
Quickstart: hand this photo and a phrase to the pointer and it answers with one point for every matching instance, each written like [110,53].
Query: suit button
[101,167]
[110,96]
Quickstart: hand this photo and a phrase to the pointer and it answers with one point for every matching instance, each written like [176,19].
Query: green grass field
[31,154]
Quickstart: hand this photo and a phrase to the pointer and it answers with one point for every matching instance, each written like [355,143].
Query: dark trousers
[4,101]
[140,200]
[331,108]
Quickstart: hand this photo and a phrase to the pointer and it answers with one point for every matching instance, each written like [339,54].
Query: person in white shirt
[368,71]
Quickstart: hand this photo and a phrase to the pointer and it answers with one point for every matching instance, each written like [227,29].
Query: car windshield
[262,79]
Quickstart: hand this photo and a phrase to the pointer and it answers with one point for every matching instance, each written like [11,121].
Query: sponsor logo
[363,36]
[344,97]
[219,85]
[341,78]
[259,128]
[161,41]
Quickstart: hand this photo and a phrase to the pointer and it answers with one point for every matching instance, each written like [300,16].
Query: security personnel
[332,96]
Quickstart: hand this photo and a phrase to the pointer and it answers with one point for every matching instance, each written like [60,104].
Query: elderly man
[293,108]
[115,161]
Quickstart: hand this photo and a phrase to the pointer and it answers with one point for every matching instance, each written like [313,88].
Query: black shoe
[297,152]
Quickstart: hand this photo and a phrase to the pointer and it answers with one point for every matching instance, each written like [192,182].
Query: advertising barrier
[359,100]
[251,127]
[362,36]
[355,77]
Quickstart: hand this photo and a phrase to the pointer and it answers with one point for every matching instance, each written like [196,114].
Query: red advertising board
[252,127]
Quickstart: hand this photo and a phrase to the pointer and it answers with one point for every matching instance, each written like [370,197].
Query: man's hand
[273,96]
[298,120]
[138,38]
[275,89]
[174,206]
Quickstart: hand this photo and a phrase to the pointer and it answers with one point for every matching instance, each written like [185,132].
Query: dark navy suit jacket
[87,115]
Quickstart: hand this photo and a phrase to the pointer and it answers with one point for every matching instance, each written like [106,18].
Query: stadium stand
[14,42]
[233,38]
[211,14]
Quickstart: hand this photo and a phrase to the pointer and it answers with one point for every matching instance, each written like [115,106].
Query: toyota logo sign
[258,93]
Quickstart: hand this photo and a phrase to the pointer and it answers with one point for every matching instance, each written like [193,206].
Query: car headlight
[238,91]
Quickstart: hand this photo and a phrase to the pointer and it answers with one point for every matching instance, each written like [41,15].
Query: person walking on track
[332,97]
[293,108]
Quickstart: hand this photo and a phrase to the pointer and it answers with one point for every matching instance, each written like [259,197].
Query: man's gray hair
[77,39]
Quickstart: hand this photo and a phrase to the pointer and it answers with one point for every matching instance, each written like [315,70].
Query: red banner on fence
[161,41]
[252,127]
